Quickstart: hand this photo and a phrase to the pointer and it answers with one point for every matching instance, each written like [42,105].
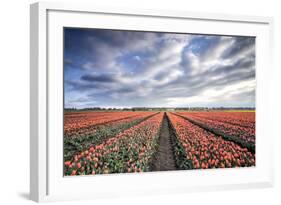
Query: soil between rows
[164,157]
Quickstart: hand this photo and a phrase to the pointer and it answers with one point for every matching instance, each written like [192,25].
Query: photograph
[150,101]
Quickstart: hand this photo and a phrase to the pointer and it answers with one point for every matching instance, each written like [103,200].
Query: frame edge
[92,8]
[38,103]
[34,60]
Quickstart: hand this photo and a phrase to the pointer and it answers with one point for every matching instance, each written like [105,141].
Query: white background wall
[14,100]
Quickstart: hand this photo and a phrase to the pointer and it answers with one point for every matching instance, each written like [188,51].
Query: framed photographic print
[127,102]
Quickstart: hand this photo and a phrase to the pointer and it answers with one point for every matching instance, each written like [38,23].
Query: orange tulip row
[244,131]
[129,151]
[93,123]
[80,120]
[243,119]
[207,150]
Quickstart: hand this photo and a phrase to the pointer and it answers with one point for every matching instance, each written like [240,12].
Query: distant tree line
[159,108]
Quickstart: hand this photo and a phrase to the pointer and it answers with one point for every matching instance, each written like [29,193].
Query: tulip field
[104,142]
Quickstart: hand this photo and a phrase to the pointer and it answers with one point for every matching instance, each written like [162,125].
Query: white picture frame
[46,179]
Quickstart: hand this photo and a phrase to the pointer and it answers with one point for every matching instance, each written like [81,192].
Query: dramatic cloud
[108,68]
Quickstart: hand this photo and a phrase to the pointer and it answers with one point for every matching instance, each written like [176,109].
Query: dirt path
[164,158]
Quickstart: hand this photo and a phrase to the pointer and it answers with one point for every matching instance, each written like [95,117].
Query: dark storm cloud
[126,69]
[126,90]
[106,78]
[98,49]
[81,86]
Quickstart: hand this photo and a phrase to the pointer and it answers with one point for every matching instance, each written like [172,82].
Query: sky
[117,69]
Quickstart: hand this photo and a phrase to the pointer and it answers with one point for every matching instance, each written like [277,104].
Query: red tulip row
[207,150]
[129,151]
[246,134]
[76,121]
[243,119]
